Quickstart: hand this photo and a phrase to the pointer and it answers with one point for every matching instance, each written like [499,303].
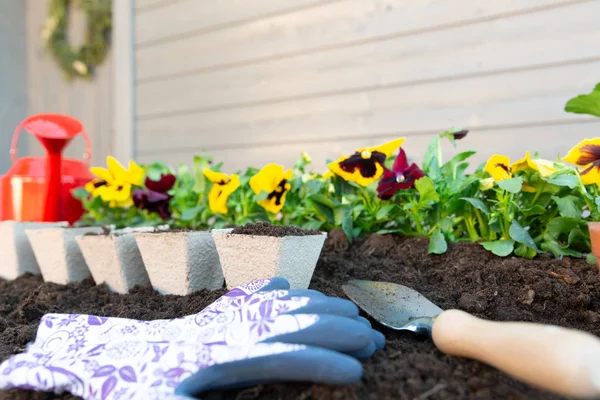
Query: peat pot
[16,253]
[114,258]
[180,262]
[58,254]
[245,258]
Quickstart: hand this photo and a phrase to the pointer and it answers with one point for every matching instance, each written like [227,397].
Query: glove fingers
[365,352]
[376,336]
[328,331]
[329,306]
[285,364]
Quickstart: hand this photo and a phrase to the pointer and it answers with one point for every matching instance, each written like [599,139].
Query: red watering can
[39,188]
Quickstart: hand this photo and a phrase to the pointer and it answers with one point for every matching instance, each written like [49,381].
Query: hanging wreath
[82,62]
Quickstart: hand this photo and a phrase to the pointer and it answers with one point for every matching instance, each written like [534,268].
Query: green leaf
[324,211]
[431,165]
[426,190]
[553,247]
[190,213]
[525,252]
[477,203]
[562,225]
[316,225]
[500,248]
[564,180]
[520,235]
[325,200]
[383,211]
[446,225]
[585,103]
[591,259]
[512,185]
[437,243]
[567,206]
[347,225]
[535,210]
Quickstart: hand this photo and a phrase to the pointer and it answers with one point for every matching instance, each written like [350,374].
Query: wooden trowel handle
[564,361]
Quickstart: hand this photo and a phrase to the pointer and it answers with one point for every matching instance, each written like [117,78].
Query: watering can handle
[13,147]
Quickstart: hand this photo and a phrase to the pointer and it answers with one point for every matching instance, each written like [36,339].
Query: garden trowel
[561,360]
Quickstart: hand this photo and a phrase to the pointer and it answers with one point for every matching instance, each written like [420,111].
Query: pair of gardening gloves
[261,332]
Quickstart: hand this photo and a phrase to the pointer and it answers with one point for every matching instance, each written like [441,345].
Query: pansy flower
[273,180]
[114,184]
[500,169]
[155,198]
[401,177]
[366,165]
[586,155]
[223,187]
[544,167]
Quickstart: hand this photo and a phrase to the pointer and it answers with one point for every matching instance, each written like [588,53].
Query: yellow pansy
[223,187]
[499,167]
[114,184]
[273,180]
[365,166]
[586,155]
[544,167]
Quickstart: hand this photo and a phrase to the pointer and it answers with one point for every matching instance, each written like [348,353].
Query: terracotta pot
[16,253]
[58,254]
[181,262]
[245,258]
[114,259]
[594,228]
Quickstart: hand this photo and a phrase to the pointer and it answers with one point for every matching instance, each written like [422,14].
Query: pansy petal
[163,185]
[590,175]
[102,173]
[216,200]
[499,167]
[401,163]
[386,148]
[214,176]
[584,153]
[116,169]
[267,178]
[135,174]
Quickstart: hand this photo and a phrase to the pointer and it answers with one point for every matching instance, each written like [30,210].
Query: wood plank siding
[91,102]
[261,81]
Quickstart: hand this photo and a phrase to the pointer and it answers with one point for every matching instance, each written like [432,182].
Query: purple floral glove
[248,336]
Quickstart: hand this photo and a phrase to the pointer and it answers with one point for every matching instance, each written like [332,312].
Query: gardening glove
[257,333]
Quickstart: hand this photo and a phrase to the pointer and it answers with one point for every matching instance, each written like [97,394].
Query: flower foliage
[526,207]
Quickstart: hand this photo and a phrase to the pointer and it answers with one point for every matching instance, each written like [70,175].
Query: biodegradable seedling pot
[181,262]
[594,228]
[58,254]
[114,259]
[16,255]
[245,258]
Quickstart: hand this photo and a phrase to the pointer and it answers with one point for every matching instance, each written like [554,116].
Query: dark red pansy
[155,198]
[401,177]
[163,185]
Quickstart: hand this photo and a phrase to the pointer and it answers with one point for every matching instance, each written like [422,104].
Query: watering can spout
[54,132]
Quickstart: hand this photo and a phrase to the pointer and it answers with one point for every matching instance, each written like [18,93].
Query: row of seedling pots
[175,262]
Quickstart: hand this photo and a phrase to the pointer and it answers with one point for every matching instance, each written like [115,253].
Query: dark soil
[267,229]
[564,292]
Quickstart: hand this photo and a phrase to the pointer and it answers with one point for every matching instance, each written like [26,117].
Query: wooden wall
[13,76]
[260,81]
[90,102]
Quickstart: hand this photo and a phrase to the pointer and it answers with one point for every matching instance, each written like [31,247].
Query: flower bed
[564,292]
